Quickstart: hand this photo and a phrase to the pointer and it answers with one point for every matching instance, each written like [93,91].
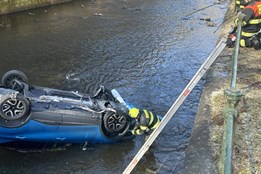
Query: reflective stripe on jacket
[147,120]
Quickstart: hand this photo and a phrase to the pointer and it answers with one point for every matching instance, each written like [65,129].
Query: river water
[143,48]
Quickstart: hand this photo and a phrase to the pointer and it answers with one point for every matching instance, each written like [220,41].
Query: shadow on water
[142,48]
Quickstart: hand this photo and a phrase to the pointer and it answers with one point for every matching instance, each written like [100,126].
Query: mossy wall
[9,6]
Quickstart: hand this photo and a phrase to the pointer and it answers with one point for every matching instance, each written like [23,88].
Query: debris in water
[138,9]
[124,4]
[31,14]
[71,76]
[85,146]
[150,171]
[98,14]
[185,18]
[205,19]
[211,24]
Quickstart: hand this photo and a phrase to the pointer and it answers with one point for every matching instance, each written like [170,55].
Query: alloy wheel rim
[13,109]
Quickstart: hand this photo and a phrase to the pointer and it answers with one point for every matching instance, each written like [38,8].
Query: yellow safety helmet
[134,112]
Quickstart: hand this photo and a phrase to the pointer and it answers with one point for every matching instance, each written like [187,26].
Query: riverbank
[203,152]
[10,6]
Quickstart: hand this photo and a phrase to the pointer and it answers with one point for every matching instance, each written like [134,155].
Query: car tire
[114,123]
[14,106]
[8,79]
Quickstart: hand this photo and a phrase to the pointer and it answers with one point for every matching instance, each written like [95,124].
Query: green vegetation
[247,133]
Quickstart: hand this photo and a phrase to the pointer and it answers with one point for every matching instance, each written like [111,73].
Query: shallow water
[147,51]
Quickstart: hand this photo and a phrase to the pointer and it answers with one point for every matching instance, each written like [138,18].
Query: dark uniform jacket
[252,20]
[147,121]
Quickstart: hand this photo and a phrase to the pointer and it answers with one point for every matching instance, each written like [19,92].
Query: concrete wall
[9,6]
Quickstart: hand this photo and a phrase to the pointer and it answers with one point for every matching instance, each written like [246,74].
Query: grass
[247,132]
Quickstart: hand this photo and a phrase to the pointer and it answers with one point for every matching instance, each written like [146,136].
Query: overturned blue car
[37,114]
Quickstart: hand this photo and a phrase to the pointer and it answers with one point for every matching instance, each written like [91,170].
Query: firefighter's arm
[249,15]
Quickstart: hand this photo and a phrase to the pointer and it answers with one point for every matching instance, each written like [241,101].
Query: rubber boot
[259,43]
[255,42]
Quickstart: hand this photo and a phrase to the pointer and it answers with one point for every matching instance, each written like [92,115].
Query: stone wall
[9,6]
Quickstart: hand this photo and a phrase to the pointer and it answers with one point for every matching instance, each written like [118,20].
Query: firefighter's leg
[257,44]
[254,41]
[246,42]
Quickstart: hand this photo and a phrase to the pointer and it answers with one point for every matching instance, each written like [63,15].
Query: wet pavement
[144,49]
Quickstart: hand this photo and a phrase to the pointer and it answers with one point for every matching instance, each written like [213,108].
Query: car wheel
[114,123]
[10,78]
[13,106]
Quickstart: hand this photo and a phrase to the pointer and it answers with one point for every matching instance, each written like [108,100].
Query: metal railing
[233,96]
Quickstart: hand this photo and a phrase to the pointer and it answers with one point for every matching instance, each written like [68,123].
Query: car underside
[38,114]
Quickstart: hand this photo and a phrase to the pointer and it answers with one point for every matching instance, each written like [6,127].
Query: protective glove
[233,30]
[231,40]
[147,130]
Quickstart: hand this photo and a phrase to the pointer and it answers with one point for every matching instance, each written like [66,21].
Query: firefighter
[241,4]
[250,36]
[145,121]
